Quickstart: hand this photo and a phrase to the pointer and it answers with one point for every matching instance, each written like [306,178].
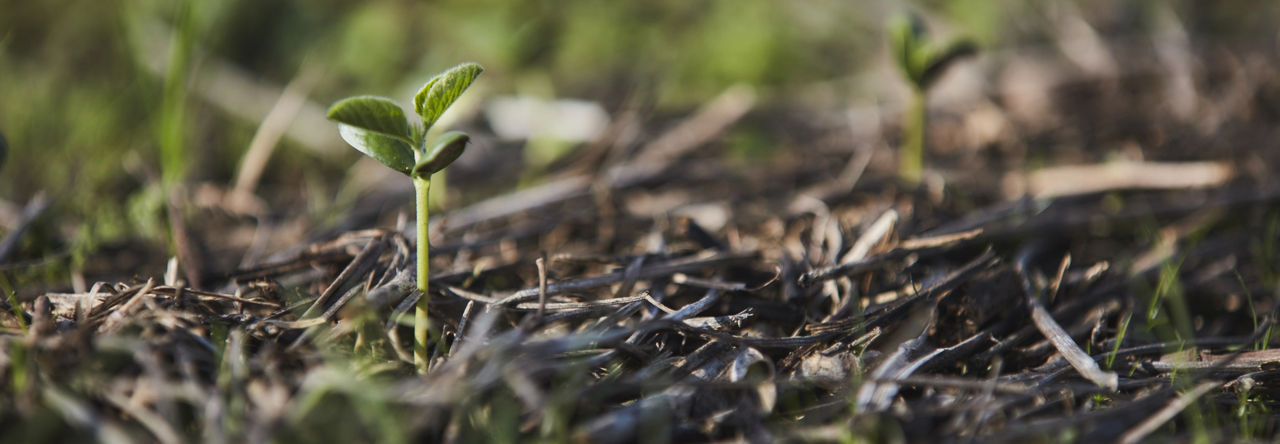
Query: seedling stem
[922,61]
[421,320]
[912,165]
[377,127]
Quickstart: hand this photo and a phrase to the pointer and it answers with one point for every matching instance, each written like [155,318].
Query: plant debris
[682,299]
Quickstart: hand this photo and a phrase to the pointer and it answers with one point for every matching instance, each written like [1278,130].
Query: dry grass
[683,299]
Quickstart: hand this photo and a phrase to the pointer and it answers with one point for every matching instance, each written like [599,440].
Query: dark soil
[692,296]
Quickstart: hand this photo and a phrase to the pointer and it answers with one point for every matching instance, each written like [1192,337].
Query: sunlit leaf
[441,91]
[419,100]
[372,113]
[377,127]
[447,149]
[393,152]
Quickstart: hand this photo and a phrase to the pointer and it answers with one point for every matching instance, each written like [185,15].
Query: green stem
[911,165]
[421,322]
[173,120]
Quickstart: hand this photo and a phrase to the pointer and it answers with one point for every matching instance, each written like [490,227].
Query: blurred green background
[106,103]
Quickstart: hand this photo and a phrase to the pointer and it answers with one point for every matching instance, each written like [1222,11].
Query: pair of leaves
[921,59]
[377,126]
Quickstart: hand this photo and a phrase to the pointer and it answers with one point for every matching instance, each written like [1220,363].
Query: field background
[143,131]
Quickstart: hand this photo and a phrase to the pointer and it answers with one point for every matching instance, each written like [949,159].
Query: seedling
[377,127]
[922,60]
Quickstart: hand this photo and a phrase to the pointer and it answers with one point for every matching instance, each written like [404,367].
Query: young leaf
[920,58]
[939,61]
[448,147]
[393,152]
[441,91]
[420,99]
[377,127]
[373,113]
[907,35]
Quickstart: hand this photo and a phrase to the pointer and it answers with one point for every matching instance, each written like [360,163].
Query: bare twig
[876,233]
[542,286]
[1081,361]
[273,127]
[352,275]
[1153,422]
[1086,179]
[904,249]
[650,272]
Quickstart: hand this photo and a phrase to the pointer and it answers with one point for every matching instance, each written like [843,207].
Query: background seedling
[377,127]
[922,60]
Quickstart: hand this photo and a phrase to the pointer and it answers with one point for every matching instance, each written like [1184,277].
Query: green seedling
[922,60]
[377,127]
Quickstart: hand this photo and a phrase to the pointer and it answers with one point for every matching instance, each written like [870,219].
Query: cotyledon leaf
[372,113]
[448,147]
[393,152]
[921,59]
[906,34]
[376,126]
[943,57]
[442,90]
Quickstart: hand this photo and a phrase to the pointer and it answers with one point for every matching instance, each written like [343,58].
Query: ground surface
[692,295]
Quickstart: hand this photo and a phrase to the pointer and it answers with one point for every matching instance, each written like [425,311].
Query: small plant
[922,61]
[377,127]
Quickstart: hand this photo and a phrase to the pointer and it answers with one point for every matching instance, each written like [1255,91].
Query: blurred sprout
[922,61]
[919,57]
[378,127]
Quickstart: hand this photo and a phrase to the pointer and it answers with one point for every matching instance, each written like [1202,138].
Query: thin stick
[903,249]
[273,127]
[1153,422]
[658,270]
[1078,359]
[874,234]
[1088,179]
[467,314]
[1072,352]
[542,286]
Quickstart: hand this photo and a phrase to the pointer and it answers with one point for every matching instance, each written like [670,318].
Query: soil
[692,295]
